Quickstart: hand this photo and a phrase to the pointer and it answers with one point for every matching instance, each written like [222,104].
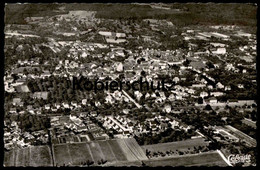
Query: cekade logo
[234,159]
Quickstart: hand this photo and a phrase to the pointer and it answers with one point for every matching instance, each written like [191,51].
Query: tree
[143,164]
[89,162]
[210,65]
[143,73]
[25,71]
[214,145]
[200,100]
[147,152]
[208,107]
[186,63]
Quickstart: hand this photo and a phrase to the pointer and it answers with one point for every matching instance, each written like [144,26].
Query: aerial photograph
[130,85]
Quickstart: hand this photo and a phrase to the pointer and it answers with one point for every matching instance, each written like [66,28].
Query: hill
[180,14]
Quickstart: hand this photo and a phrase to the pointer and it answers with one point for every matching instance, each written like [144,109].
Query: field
[31,156]
[40,156]
[9,158]
[124,163]
[107,151]
[135,148]
[97,153]
[130,156]
[202,159]
[180,145]
[111,150]
[119,152]
[71,153]
[120,156]
[61,154]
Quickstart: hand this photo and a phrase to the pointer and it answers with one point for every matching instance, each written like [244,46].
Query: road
[132,100]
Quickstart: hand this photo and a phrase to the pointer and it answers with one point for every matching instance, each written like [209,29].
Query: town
[207,113]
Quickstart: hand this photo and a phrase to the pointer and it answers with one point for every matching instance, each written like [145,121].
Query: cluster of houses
[155,23]
[78,125]
[52,108]
[112,37]
[124,127]
[15,138]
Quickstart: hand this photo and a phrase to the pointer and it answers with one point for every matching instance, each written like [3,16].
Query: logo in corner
[234,159]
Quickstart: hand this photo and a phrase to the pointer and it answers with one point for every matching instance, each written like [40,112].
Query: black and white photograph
[130,84]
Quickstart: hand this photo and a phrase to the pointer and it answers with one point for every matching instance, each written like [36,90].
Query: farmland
[96,151]
[32,156]
[120,152]
[124,163]
[120,156]
[135,148]
[131,150]
[107,151]
[180,145]
[110,150]
[67,153]
[202,159]
[9,158]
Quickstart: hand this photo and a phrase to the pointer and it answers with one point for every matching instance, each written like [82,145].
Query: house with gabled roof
[40,95]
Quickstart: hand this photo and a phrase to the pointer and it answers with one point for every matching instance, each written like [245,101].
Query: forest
[186,13]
